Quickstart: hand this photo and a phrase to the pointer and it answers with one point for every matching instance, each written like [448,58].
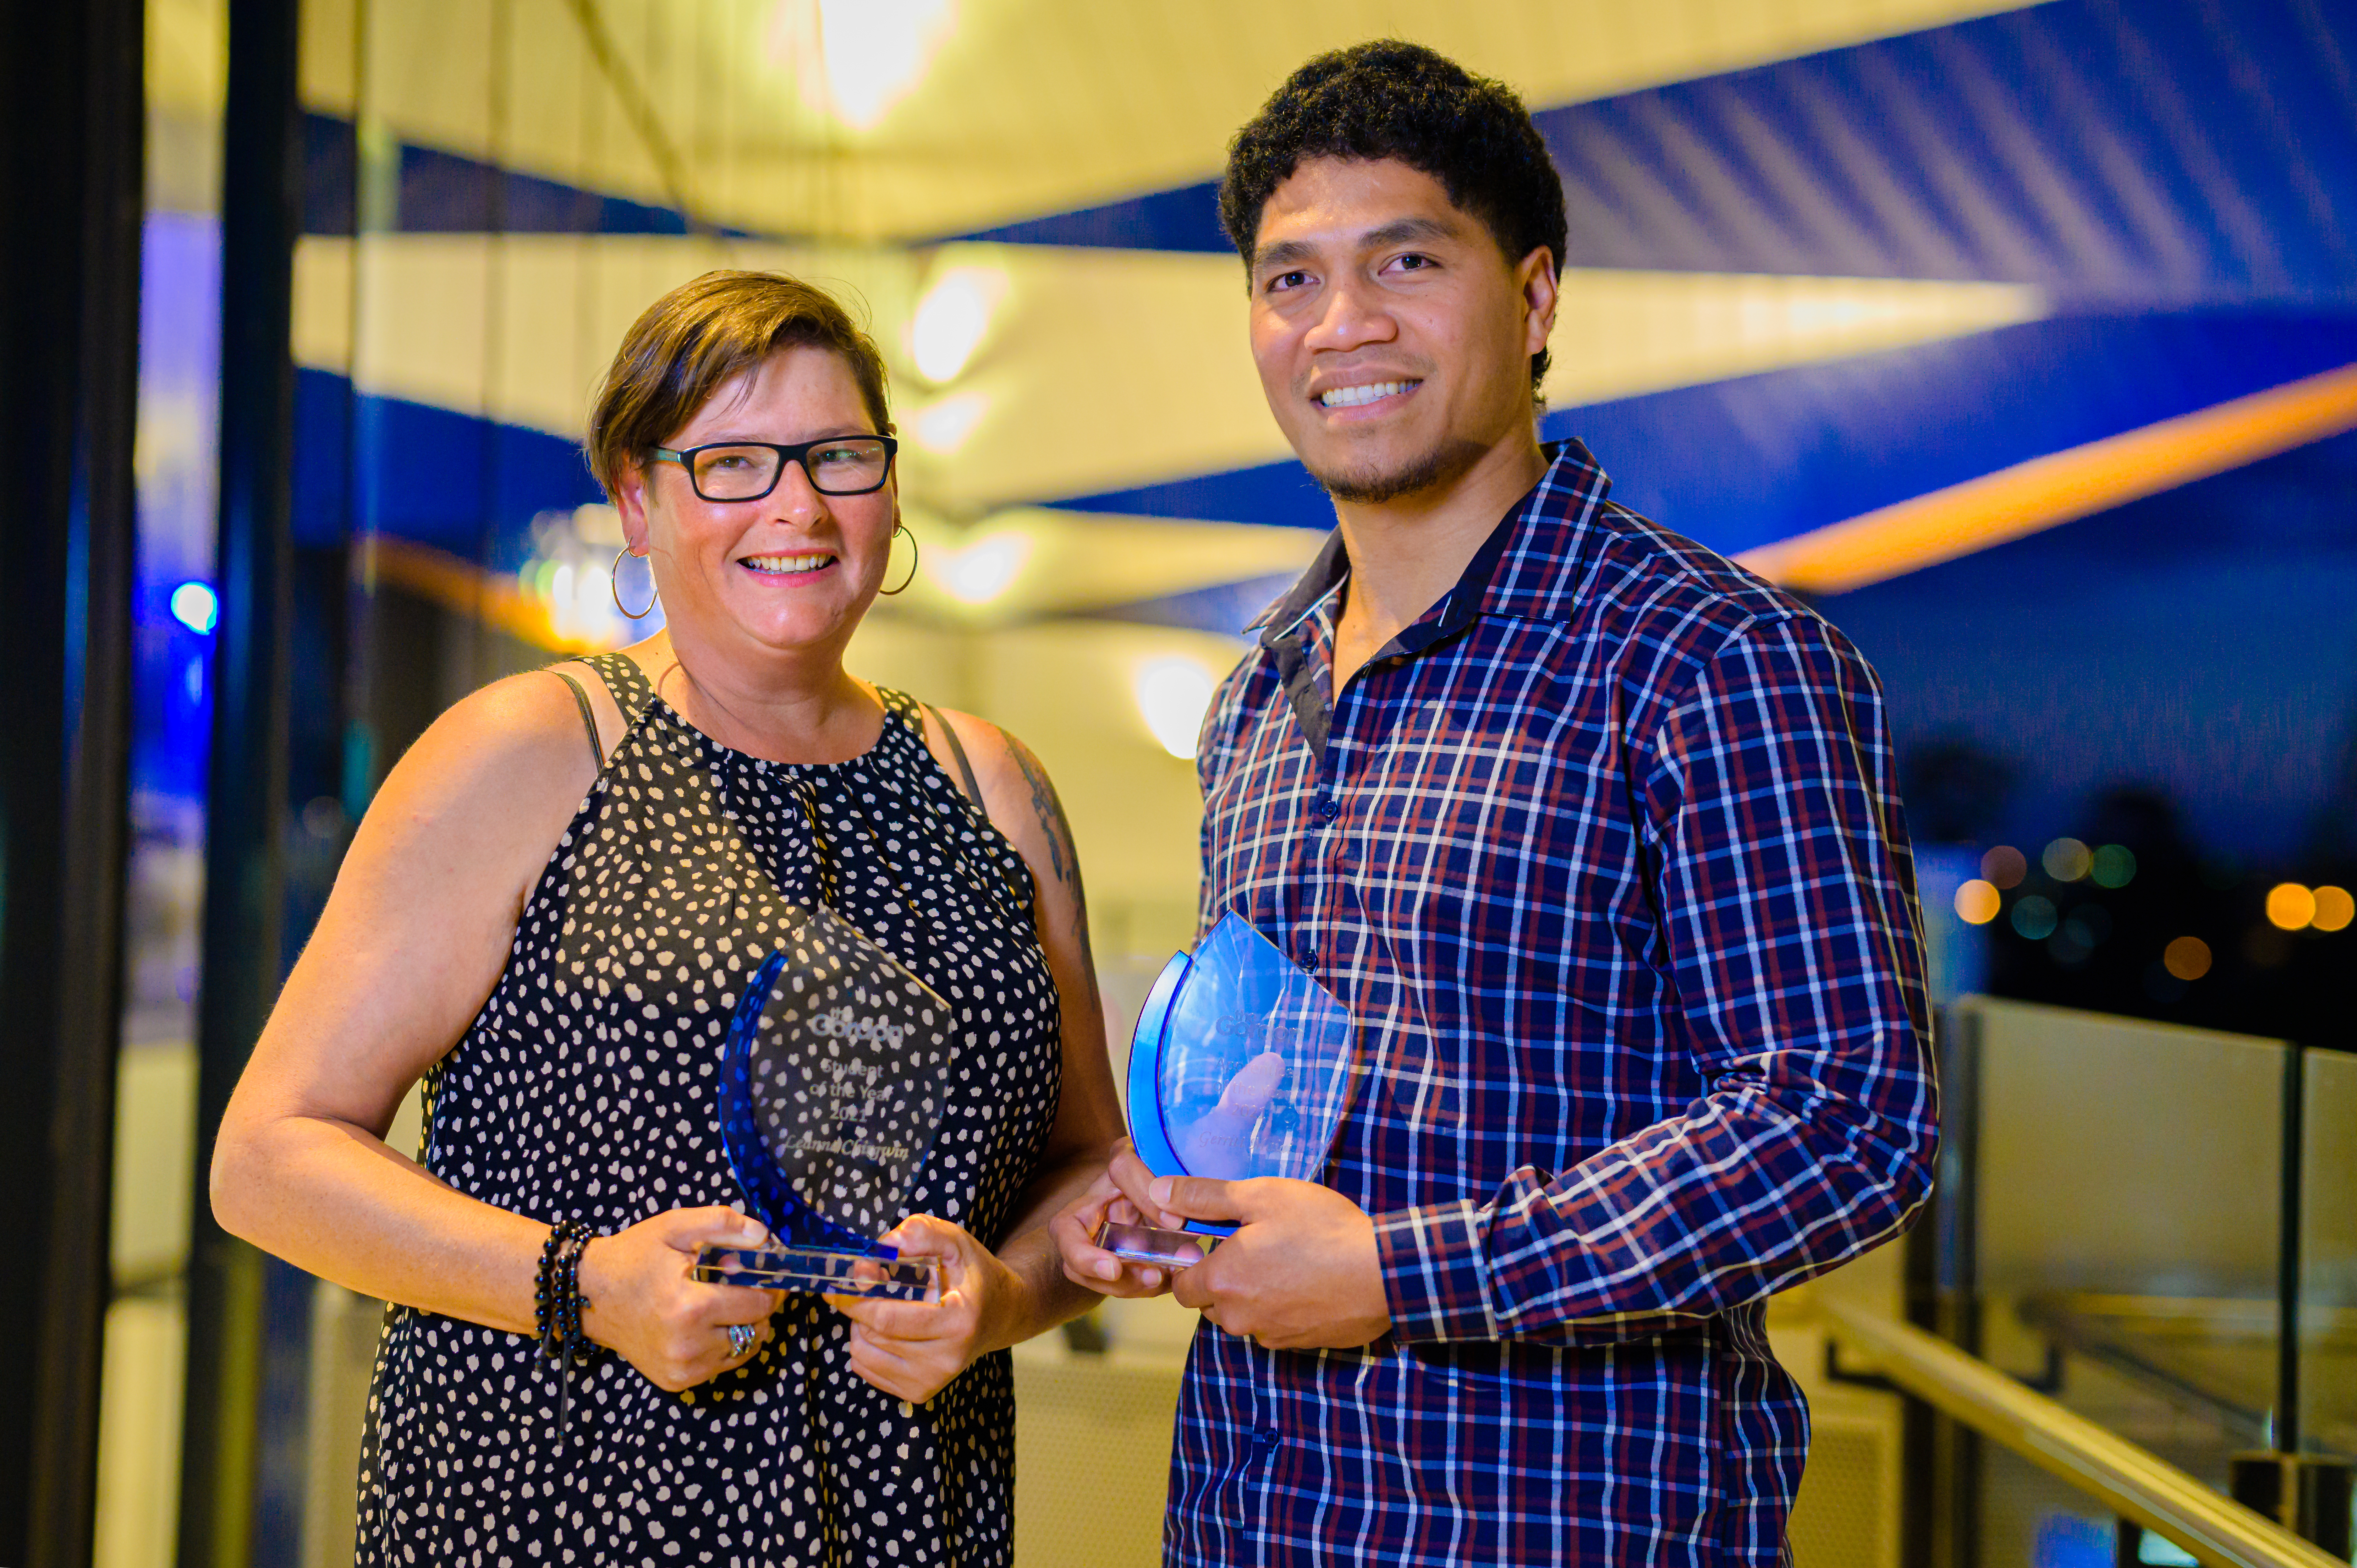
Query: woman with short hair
[549,913]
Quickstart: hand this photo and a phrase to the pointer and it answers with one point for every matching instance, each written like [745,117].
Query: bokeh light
[1977,903]
[2290,907]
[2334,909]
[858,59]
[2066,860]
[985,568]
[2005,866]
[1172,694]
[2034,918]
[947,423]
[2113,865]
[950,320]
[2187,957]
[196,607]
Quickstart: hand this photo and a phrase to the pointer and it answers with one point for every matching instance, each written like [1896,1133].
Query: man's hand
[1300,1274]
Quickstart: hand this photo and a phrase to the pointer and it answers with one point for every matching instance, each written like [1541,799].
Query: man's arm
[1793,949]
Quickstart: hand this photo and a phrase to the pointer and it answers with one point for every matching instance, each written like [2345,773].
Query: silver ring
[741,1339]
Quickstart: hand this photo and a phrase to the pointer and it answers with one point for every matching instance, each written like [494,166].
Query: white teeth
[787,563]
[1351,397]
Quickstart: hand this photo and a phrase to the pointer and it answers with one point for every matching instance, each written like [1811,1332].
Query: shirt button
[1329,809]
[1306,956]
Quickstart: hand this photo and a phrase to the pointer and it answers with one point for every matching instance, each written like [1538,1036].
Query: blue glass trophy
[1240,1067]
[832,1082]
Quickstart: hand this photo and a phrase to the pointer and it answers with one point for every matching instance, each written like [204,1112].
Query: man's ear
[1537,282]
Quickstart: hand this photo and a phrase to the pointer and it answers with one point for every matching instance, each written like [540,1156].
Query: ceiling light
[1172,696]
[854,59]
[984,569]
[949,322]
[943,426]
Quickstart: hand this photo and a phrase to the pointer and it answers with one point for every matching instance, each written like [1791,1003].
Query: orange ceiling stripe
[492,598]
[2045,491]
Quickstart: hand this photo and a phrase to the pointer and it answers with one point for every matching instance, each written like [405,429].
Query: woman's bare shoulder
[508,763]
[1018,795]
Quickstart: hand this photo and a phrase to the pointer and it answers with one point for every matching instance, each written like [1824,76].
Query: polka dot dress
[585,1089]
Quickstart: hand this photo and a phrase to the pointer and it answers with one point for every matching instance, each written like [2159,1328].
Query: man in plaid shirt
[1595,835]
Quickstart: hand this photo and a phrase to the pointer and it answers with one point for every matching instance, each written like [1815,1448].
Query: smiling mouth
[786,566]
[1359,397]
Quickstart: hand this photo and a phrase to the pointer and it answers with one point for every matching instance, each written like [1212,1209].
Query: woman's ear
[631,506]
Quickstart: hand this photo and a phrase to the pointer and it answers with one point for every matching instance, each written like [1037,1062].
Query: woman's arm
[914,1351]
[414,938]
[1023,805]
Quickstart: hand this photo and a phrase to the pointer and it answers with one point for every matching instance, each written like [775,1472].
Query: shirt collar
[1518,570]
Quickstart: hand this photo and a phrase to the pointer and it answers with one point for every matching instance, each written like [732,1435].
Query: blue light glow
[196,607]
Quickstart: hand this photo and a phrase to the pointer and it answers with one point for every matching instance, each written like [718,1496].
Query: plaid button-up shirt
[1603,856]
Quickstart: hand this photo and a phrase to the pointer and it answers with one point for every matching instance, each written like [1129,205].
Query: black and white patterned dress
[585,1089]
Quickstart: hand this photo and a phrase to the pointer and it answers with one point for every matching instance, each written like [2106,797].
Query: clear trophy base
[1152,1244]
[816,1270]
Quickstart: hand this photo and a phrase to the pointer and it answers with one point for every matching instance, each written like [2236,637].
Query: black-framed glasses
[747,470]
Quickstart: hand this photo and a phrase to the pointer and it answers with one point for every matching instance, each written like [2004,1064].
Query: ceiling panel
[1092,370]
[1009,108]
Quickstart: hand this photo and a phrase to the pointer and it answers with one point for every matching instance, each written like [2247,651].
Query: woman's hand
[638,1300]
[1082,1221]
[914,1349]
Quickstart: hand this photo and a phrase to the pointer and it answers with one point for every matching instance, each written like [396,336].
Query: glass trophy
[1240,1067]
[832,1082]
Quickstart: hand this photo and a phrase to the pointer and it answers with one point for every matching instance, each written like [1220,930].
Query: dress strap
[957,750]
[588,718]
[912,712]
[628,683]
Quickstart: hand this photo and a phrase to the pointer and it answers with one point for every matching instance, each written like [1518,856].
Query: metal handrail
[2132,1482]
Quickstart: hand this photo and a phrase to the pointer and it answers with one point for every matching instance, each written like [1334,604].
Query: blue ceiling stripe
[2124,150]
[460,483]
[1223,608]
[1757,459]
[440,192]
[1186,218]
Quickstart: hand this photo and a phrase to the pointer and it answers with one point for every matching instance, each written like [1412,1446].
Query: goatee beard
[1372,486]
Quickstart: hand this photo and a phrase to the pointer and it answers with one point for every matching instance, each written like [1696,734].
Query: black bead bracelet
[557,1300]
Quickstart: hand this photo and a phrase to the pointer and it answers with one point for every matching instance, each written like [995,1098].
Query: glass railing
[2328,1257]
[2151,1225]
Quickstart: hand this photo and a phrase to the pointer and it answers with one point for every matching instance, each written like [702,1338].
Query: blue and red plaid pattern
[1603,856]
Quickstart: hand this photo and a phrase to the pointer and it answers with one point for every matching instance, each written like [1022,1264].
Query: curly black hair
[1391,99]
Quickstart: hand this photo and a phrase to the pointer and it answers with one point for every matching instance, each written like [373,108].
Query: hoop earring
[898,529]
[613,585]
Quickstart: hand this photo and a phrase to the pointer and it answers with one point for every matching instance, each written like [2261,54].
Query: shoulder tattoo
[1062,858]
[1058,829]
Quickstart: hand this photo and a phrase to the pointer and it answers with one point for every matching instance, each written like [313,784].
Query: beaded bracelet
[557,1300]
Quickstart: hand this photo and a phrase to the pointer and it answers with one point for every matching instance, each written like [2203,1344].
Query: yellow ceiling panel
[1099,369]
[1619,334]
[520,327]
[871,119]
[1103,369]
[1028,562]
[1083,371]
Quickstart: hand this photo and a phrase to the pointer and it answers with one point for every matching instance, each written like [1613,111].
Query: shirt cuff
[1434,1280]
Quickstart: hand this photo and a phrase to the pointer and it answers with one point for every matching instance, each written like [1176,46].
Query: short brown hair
[693,340]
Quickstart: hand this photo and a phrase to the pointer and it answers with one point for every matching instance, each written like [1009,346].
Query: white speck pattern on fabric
[586,1088]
